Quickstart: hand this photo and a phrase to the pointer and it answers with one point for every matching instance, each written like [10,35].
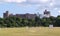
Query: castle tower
[46,13]
[5,15]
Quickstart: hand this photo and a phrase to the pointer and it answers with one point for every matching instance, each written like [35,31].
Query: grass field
[25,31]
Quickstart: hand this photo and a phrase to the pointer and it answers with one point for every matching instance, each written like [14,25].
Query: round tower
[46,13]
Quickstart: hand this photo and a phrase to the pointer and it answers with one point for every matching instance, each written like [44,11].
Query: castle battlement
[27,15]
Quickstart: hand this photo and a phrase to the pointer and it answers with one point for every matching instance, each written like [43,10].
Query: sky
[29,6]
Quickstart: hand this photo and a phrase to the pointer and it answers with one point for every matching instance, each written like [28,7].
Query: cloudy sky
[30,6]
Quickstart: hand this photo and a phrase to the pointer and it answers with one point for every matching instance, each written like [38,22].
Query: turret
[46,13]
[5,15]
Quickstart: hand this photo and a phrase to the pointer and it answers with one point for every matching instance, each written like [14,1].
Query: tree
[57,23]
[38,21]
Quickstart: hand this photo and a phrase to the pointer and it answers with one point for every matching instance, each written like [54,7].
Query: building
[6,14]
[47,13]
[27,15]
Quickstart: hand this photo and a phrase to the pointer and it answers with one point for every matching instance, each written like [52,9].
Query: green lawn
[25,31]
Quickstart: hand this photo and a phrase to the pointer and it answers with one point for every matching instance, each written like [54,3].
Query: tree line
[37,22]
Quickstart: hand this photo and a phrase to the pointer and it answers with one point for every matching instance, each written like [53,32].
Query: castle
[27,15]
